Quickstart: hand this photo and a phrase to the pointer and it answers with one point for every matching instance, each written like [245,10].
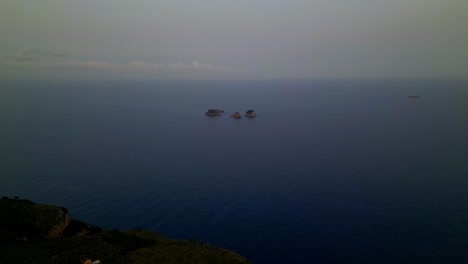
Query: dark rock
[214,112]
[78,228]
[236,115]
[250,113]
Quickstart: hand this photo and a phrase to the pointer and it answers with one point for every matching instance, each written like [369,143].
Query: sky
[242,39]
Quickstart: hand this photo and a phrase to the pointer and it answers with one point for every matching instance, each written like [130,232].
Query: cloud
[59,65]
[146,66]
[50,54]
[22,57]
[90,64]
[32,56]
[28,63]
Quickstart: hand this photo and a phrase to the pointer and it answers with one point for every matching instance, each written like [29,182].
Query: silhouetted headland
[39,233]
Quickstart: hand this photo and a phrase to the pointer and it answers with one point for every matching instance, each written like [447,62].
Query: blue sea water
[328,172]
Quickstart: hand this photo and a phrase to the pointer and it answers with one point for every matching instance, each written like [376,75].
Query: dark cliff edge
[38,233]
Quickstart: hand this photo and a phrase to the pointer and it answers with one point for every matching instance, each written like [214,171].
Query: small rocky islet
[40,233]
[250,113]
[214,112]
[218,112]
[236,115]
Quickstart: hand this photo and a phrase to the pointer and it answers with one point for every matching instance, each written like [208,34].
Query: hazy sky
[221,39]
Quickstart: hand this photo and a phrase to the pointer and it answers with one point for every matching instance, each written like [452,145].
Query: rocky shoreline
[39,233]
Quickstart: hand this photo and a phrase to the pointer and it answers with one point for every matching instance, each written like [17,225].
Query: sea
[329,171]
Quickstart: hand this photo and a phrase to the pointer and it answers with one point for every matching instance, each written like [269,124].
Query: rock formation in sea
[236,115]
[214,112]
[39,233]
[250,113]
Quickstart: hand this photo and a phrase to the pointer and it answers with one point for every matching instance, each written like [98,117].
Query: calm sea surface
[328,172]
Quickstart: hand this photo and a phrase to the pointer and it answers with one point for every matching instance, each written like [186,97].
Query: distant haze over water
[328,171]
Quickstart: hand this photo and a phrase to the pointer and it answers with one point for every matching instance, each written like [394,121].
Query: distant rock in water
[214,112]
[413,96]
[250,113]
[40,233]
[236,115]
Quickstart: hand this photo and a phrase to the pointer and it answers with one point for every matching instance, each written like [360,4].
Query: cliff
[26,221]
[37,233]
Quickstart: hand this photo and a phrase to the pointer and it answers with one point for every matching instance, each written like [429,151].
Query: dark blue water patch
[328,172]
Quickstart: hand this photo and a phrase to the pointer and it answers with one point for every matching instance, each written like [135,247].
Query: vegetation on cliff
[25,228]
